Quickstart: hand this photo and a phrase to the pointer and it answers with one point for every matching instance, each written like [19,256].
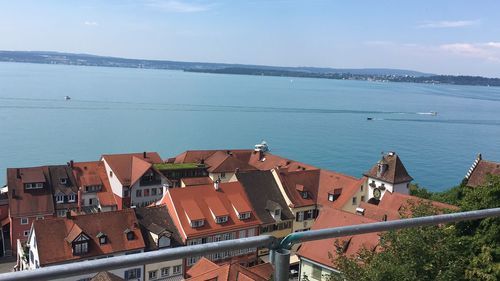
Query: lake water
[317,121]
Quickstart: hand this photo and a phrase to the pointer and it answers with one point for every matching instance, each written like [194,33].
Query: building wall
[228,177]
[362,193]
[277,233]
[305,224]
[388,187]
[17,229]
[158,268]
[402,188]
[116,185]
[314,271]
[146,200]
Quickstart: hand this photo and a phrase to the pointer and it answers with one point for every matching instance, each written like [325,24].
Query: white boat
[67,97]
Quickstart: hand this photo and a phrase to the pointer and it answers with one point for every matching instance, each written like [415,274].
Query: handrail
[279,254]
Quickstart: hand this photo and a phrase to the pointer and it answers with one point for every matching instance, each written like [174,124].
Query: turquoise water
[317,121]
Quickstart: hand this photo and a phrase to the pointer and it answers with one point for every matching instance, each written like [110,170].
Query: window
[39,218]
[61,213]
[59,198]
[361,187]
[362,198]
[354,200]
[243,234]
[160,191]
[251,232]
[26,233]
[226,236]
[72,198]
[80,247]
[305,195]
[133,274]
[138,193]
[63,180]
[153,274]
[221,219]
[110,174]
[316,272]
[153,191]
[102,238]
[244,216]
[130,234]
[24,220]
[300,216]
[146,192]
[91,201]
[223,175]
[177,269]
[190,261]
[125,193]
[165,271]
[277,212]
[197,223]
[330,197]
[309,215]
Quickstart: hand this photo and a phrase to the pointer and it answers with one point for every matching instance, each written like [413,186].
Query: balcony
[279,248]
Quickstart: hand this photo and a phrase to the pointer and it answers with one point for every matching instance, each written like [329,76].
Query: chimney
[18,173]
[216,184]
[71,163]
[144,155]
[261,155]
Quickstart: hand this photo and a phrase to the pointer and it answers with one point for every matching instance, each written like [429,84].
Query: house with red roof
[205,270]
[94,189]
[316,257]
[387,175]
[211,213]
[77,238]
[133,178]
[480,168]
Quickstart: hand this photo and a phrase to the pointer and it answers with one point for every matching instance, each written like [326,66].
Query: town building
[211,213]
[316,257]
[133,178]
[84,237]
[388,175]
[480,169]
[159,232]
[205,270]
[270,206]
[94,188]
[64,189]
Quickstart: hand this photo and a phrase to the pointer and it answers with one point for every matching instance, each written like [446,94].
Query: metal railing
[279,254]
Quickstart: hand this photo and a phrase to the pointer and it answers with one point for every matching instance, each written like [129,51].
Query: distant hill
[368,74]
[93,60]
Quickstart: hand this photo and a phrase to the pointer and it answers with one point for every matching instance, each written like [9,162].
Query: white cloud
[488,51]
[448,24]
[91,23]
[178,6]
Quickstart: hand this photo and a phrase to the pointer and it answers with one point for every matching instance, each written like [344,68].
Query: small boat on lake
[369,118]
[67,97]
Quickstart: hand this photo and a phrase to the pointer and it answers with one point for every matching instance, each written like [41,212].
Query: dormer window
[63,180]
[80,247]
[277,212]
[130,234]
[103,239]
[72,197]
[163,242]
[305,194]
[221,219]
[244,216]
[33,185]
[334,194]
[60,198]
[197,223]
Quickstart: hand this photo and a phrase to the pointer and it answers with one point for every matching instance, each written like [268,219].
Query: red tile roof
[395,172]
[308,179]
[197,181]
[52,235]
[205,270]
[395,205]
[320,250]
[192,201]
[91,174]
[33,175]
[332,182]
[483,168]
[23,202]
[128,168]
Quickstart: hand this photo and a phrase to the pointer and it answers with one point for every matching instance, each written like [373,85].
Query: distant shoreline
[369,74]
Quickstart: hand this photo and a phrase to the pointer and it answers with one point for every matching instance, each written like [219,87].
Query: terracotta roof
[197,181]
[262,190]
[395,205]
[106,276]
[192,201]
[92,174]
[52,235]
[320,250]
[309,179]
[395,172]
[264,270]
[29,202]
[157,218]
[206,270]
[483,168]
[196,156]
[128,168]
[33,175]
[226,162]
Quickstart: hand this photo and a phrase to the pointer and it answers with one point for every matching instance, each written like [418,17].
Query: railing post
[281,262]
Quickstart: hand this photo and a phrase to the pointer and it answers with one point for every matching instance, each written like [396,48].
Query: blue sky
[445,37]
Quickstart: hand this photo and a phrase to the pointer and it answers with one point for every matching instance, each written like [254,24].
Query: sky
[442,37]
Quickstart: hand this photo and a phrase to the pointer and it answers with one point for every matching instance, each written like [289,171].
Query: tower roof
[395,172]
